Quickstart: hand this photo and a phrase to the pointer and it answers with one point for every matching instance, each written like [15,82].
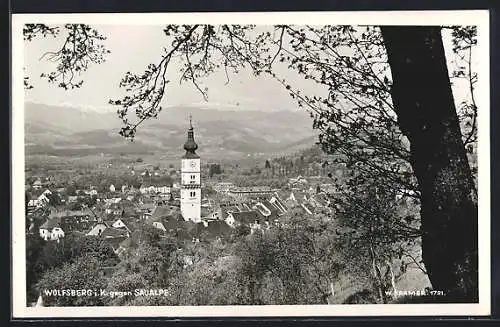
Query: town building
[155,186]
[191,179]
[51,229]
[254,192]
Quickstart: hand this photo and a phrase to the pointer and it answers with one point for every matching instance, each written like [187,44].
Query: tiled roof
[232,209]
[147,206]
[246,207]
[270,206]
[211,231]
[158,182]
[246,217]
[299,195]
[112,232]
[71,213]
[161,212]
[173,224]
[72,225]
[94,225]
[217,228]
[131,225]
[109,222]
[262,209]
[250,189]
[308,206]
[280,204]
[50,223]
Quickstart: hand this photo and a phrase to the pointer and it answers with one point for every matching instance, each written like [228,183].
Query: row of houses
[81,222]
[252,213]
[225,217]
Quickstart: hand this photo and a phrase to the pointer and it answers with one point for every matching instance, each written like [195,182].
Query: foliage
[82,47]
[34,246]
[44,256]
[84,273]
[375,230]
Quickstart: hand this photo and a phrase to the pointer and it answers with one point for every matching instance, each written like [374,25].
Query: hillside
[60,130]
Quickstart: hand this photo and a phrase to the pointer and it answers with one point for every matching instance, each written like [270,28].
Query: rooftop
[246,217]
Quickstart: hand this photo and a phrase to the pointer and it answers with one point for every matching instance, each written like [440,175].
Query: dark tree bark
[423,101]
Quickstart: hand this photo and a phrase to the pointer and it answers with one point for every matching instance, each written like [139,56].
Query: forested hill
[65,130]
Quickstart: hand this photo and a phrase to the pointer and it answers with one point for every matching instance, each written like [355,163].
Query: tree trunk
[378,277]
[424,104]
[393,278]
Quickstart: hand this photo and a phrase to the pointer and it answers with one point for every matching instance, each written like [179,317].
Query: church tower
[191,179]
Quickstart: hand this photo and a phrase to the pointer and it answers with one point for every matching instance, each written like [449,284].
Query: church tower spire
[190,146]
[191,179]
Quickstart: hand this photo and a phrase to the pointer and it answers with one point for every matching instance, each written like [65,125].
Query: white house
[33,203]
[51,229]
[249,218]
[112,200]
[72,198]
[91,192]
[111,188]
[159,225]
[39,202]
[297,181]
[155,187]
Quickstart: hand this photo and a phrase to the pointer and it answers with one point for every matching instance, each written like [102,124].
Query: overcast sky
[134,47]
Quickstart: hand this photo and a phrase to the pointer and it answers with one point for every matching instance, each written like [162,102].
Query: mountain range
[71,130]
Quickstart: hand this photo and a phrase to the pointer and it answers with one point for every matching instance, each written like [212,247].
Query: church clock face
[193,164]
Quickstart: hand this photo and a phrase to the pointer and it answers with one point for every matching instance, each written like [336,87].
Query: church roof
[190,155]
[190,146]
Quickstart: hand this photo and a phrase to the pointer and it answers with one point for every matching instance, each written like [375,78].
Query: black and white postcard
[251,164]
